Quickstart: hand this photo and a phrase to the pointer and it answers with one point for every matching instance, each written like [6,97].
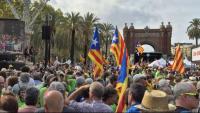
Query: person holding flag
[138,52]
[95,55]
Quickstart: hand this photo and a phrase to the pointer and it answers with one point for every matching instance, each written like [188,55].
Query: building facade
[159,39]
[186,49]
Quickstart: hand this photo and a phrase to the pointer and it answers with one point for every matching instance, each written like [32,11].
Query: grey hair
[58,86]
[97,89]
[182,87]
[24,77]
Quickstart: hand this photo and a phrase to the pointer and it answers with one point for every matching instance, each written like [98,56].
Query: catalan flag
[140,49]
[138,52]
[95,54]
[97,70]
[117,46]
[122,84]
[178,64]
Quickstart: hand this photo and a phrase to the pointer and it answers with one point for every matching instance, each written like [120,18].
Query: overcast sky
[139,12]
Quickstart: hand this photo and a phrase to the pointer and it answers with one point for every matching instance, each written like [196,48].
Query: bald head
[54,101]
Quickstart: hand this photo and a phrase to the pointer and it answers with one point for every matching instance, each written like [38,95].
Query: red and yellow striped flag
[117,47]
[95,54]
[178,64]
[97,71]
[140,49]
[122,84]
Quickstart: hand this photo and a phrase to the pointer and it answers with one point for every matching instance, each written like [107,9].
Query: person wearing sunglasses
[186,97]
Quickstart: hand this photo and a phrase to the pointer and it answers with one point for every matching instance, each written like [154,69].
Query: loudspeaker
[46,32]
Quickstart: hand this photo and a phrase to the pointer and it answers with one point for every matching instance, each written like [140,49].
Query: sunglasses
[196,95]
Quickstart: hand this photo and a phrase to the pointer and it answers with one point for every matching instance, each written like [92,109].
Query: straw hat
[156,101]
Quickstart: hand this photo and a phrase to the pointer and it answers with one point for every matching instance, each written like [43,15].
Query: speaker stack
[46,32]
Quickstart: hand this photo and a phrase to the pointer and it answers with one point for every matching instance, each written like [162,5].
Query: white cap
[78,68]
[192,78]
[3,69]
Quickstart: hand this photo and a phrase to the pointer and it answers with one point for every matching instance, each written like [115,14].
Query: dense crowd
[67,88]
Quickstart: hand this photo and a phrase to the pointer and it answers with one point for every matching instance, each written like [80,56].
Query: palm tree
[62,38]
[193,30]
[75,22]
[106,30]
[89,21]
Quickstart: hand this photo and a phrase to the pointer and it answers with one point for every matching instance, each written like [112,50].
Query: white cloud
[139,12]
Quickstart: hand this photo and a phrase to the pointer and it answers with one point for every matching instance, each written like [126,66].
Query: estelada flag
[117,46]
[122,84]
[95,54]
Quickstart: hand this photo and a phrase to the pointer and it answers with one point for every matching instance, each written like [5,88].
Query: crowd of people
[72,88]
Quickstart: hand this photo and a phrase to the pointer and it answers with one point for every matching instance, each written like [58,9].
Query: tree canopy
[63,25]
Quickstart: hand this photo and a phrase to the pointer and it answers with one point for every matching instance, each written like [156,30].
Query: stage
[147,56]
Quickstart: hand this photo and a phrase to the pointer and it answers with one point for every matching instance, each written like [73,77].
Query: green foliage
[106,33]
[193,30]
[5,11]
[62,26]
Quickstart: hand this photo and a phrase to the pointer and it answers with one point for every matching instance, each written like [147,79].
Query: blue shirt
[133,109]
[94,106]
[182,110]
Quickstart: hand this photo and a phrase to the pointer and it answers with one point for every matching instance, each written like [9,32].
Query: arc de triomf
[159,39]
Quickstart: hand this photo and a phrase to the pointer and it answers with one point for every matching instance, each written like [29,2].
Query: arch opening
[148,48]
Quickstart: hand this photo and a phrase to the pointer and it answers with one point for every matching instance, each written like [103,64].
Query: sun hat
[156,101]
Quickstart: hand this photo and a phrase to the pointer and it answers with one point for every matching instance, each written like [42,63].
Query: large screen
[196,54]
[12,35]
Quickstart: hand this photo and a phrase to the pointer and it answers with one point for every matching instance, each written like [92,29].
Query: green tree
[106,33]
[193,30]
[75,20]
[36,37]
[62,38]
[5,10]
[89,21]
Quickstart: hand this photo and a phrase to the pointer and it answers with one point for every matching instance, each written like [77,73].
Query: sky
[141,13]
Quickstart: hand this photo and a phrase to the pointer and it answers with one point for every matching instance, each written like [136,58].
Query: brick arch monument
[159,39]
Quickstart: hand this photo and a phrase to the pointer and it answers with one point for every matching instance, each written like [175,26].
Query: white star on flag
[94,42]
[115,38]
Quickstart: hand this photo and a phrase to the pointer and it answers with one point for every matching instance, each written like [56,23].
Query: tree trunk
[85,53]
[196,42]
[72,46]
[86,48]
[106,47]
